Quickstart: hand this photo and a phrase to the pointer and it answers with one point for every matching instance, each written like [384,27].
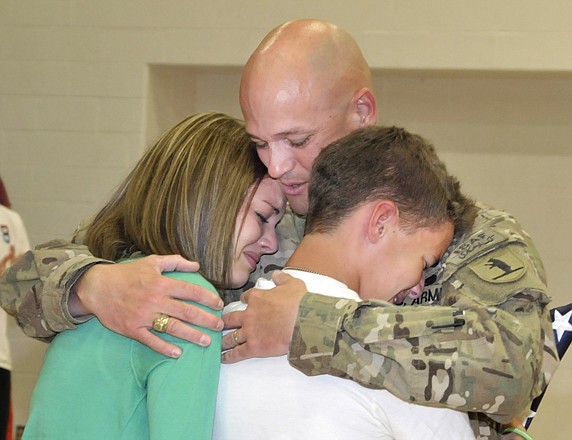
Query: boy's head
[412,205]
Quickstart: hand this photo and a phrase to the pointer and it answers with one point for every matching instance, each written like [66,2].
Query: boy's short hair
[377,163]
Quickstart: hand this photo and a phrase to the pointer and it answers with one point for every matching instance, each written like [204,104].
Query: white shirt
[265,398]
[13,243]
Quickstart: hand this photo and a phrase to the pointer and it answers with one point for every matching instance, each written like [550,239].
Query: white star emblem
[561,323]
[530,417]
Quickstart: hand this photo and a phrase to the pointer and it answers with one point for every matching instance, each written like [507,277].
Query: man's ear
[383,217]
[366,108]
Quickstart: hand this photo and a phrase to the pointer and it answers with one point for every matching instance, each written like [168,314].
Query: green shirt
[96,384]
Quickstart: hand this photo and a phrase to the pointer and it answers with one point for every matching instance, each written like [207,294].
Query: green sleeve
[181,392]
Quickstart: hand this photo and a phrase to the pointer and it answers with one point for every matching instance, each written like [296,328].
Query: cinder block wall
[85,85]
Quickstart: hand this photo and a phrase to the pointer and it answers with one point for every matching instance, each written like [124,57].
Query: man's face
[290,127]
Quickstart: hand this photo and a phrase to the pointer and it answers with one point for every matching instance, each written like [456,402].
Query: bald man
[486,341]
[306,85]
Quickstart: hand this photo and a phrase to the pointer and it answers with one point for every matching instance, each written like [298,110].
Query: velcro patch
[477,244]
[503,266]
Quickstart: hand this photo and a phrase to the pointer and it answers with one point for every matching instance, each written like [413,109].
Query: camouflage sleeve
[486,347]
[377,344]
[36,288]
[477,360]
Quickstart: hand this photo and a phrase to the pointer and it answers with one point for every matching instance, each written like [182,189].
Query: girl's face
[255,230]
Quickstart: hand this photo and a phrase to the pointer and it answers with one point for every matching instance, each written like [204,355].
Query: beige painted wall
[84,84]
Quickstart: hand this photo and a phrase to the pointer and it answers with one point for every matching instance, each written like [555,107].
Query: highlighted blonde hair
[183,197]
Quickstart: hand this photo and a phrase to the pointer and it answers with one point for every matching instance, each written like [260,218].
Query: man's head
[307,84]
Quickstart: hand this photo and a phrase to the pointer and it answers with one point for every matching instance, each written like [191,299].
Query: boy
[382,208]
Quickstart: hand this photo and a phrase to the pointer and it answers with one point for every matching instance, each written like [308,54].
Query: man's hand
[265,328]
[127,297]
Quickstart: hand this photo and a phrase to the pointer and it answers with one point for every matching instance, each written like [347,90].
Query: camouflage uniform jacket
[485,345]
[35,290]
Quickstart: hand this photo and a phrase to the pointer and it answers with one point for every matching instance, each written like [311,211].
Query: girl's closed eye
[262,218]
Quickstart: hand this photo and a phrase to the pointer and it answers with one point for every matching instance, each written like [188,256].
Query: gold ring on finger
[160,323]
[235,338]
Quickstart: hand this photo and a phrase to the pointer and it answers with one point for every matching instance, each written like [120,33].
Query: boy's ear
[383,215]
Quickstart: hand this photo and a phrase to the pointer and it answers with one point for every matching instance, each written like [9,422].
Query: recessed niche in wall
[178,91]
[504,112]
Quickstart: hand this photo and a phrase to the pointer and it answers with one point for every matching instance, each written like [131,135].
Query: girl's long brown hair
[183,197]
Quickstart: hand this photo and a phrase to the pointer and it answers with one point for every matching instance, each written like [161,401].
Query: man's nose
[280,161]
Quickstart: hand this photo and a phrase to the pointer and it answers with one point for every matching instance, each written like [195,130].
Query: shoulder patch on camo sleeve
[477,243]
[504,266]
